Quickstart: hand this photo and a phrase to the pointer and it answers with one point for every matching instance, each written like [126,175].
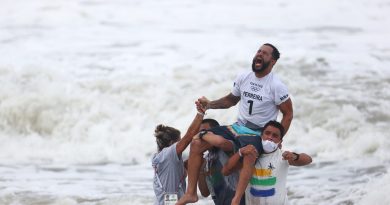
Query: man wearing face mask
[267,183]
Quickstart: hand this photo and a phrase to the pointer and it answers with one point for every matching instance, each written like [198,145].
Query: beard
[264,65]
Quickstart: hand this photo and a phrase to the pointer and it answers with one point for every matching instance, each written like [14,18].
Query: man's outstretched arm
[222,103]
[296,159]
[191,131]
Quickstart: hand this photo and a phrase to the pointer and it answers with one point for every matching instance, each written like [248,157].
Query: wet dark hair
[276,124]
[165,136]
[211,122]
[275,51]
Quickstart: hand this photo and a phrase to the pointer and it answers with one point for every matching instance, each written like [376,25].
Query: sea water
[84,83]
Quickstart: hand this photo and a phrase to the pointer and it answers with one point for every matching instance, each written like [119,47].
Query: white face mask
[269,146]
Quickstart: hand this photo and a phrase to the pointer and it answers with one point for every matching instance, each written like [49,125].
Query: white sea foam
[85,83]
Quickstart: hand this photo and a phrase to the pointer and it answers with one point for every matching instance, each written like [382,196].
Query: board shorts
[239,135]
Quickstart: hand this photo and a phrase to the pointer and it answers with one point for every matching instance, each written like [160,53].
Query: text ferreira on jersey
[253,96]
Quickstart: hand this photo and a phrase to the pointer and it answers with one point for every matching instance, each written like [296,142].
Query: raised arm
[287,111]
[296,159]
[222,103]
[191,131]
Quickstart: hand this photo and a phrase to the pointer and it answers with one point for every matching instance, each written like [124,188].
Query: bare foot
[186,198]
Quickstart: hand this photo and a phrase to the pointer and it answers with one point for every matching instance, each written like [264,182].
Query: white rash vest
[259,98]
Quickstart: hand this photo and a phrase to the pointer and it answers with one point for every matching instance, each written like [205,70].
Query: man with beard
[261,95]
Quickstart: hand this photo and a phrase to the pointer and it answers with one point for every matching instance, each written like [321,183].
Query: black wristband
[297,156]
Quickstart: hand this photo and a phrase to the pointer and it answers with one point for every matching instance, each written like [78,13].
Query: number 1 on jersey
[250,106]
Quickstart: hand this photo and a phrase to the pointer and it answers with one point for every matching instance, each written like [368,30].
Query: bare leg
[194,164]
[245,175]
[218,141]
